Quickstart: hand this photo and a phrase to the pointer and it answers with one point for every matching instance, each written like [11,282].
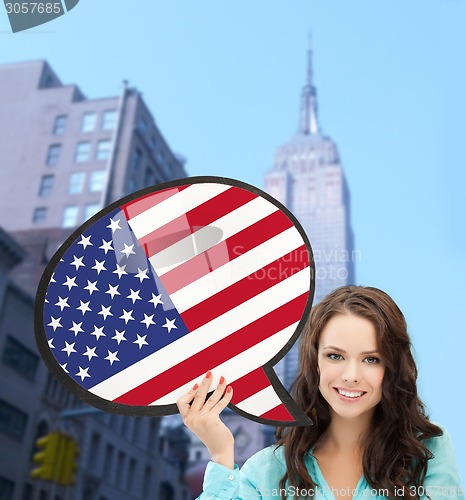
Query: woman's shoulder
[270,457]
[441,442]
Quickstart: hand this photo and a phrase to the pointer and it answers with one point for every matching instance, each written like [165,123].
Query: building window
[146,481]
[59,125]
[39,216]
[97,182]
[120,469]
[131,474]
[53,154]
[108,462]
[20,358]
[28,492]
[136,159]
[142,125]
[46,185]
[152,143]
[12,420]
[83,150]
[103,150]
[6,488]
[70,216]
[109,120]
[149,177]
[88,122]
[90,210]
[76,182]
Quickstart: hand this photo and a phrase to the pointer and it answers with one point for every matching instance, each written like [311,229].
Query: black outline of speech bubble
[143,411]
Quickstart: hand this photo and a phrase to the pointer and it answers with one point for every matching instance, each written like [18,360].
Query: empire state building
[307,177]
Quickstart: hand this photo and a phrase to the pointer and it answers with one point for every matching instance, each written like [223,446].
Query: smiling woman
[371,435]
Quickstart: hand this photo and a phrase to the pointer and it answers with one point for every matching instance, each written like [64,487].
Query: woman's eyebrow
[344,352]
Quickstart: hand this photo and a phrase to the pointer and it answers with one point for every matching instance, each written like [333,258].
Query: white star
[120,270]
[99,266]
[98,332]
[148,320]
[119,336]
[169,324]
[69,348]
[134,295]
[113,290]
[51,279]
[112,356]
[77,262]
[106,246]
[114,225]
[141,341]
[85,241]
[76,328]
[84,307]
[64,367]
[127,315]
[90,353]
[51,344]
[156,299]
[128,250]
[105,311]
[55,323]
[62,303]
[91,286]
[82,373]
[70,282]
[142,275]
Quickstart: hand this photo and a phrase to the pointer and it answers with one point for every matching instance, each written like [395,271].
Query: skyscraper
[307,177]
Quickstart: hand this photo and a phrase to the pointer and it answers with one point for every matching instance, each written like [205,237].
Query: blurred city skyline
[223,81]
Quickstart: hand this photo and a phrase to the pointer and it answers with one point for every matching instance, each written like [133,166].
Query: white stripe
[244,265]
[230,224]
[173,207]
[204,336]
[238,366]
[261,402]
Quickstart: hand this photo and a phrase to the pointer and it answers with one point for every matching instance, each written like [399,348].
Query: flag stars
[148,320]
[50,342]
[55,323]
[112,356]
[113,290]
[62,303]
[156,299]
[83,373]
[70,282]
[90,353]
[141,340]
[99,266]
[77,262]
[169,324]
[98,332]
[105,311]
[91,287]
[114,225]
[127,316]
[134,295]
[106,246]
[84,307]
[69,348]
[76,328]
[119,336]
[85,241]
[142,275]
[64,365]
[120,270]
[128,250]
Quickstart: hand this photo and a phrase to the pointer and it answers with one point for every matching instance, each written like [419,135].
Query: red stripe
[243,290]
[226,251]
[218,353]
[140,205]
[278,413]
[186,224]
[249,385]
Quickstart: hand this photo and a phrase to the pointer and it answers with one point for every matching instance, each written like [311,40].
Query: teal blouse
[260,475]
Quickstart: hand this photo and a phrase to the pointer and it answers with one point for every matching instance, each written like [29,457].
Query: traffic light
[46,456]
[66,465]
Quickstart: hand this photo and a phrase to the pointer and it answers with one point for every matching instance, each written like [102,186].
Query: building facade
[308,178]
[64,157]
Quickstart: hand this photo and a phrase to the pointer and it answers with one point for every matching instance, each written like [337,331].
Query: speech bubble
[198,274]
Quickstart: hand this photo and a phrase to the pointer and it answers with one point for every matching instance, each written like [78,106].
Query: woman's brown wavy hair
[394,454]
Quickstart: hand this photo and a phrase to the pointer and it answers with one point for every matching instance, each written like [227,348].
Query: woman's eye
[334,356]
[373,361]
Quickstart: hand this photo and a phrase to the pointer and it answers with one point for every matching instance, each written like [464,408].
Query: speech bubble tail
[260,396]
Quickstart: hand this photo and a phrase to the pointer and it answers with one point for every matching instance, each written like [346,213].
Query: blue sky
[223,79]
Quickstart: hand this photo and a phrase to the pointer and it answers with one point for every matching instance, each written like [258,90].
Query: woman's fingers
[201,393]
[223,403]
[183,402]
[215,396]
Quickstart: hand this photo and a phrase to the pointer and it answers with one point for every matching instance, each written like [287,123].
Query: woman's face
[351,369]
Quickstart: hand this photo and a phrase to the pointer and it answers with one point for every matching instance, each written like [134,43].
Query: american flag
[197,277]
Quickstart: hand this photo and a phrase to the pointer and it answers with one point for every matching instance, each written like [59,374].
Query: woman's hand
[202,418]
